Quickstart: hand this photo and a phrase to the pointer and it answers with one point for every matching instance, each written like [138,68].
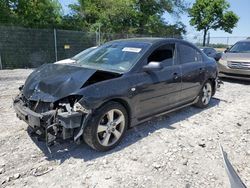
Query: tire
[205,95]
[106,127]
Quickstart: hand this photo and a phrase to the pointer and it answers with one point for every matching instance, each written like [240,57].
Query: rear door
[193,71]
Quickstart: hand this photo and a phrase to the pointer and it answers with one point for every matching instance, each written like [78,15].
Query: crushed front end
[63,119]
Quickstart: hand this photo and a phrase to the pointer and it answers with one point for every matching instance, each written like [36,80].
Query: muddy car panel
[51,92]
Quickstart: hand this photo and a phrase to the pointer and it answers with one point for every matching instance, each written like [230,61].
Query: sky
[240,7]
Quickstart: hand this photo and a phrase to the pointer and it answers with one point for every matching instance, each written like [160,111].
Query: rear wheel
[205,95]
[106,127]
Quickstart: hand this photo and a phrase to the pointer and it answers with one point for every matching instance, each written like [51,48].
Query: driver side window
[163,54]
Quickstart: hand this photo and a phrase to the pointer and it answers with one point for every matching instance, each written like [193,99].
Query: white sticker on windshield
[130,49]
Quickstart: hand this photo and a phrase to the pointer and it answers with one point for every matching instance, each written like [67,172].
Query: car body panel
[157,91]
[52,82]
[192,80]
[65,61]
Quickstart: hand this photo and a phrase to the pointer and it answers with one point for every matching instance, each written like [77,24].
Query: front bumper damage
[53,124]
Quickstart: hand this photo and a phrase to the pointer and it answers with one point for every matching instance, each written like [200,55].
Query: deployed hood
[238,57]
[51,82]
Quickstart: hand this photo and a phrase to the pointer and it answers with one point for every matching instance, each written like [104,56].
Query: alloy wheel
[207,93]
[110,127]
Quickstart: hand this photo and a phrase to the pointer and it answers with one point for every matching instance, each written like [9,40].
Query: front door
[159,90]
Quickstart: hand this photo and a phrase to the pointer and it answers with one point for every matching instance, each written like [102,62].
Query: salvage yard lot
[177,150]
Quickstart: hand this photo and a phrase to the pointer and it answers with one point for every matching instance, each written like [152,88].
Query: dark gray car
[116,86]
[211,52]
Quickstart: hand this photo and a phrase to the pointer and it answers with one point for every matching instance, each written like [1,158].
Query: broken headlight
[79,108]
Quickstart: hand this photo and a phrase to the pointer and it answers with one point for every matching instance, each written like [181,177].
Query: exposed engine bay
[58,116]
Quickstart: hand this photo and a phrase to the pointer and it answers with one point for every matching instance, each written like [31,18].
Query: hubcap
[110,127]
[207,93]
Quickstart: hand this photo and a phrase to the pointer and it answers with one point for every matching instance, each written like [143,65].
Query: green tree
[112,15]
[212,14]
[150,12]
[128,16]
[32,13]
[6,12]
[38,13]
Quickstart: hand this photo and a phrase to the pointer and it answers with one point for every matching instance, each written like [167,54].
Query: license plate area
[33,121]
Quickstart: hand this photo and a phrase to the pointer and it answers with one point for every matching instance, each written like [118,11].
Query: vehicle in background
[211,52]
[77,57]
[235,61]
[118,85]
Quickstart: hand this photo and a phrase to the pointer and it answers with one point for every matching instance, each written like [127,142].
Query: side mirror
[152,66]
[226,50]
[218,56]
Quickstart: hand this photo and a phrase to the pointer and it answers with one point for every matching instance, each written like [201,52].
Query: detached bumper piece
[219,83]
[51,125]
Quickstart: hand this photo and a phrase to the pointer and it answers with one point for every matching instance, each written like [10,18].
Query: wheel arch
[213,82]
[124,103]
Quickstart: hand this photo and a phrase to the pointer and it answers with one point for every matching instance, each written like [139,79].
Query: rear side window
[164,54]
[209,51]
[187,54]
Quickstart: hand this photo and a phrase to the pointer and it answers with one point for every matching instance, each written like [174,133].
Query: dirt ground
[177,150]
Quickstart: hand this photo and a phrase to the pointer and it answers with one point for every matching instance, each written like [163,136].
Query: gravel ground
[177,150]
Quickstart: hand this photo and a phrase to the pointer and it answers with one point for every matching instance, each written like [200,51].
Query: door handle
[175,76]
[201,70]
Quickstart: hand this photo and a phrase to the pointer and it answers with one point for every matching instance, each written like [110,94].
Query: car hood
[65,61]
[52,82]
[238,57]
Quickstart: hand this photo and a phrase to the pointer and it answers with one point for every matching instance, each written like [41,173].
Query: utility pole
[227,41]
[208,39]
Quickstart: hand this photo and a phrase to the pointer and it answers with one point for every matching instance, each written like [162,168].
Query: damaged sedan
[115,86]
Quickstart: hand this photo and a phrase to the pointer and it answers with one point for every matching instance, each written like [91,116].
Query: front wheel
[106,127]
[205,95]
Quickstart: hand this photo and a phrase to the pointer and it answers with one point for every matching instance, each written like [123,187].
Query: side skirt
[135,121]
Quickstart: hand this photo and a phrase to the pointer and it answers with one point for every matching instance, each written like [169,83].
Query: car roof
[151,40]
[205,47]
[246,40]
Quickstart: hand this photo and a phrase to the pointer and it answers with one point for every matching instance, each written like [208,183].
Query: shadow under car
[64,150]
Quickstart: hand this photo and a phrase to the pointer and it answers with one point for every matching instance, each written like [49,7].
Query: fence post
[99,36]
[1,66]
[55,43]
[96,38]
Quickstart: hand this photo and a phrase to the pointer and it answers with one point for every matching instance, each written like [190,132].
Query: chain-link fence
[27,48]
[216,42]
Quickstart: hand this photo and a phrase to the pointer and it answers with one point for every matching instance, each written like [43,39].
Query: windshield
[240,47]
[83,53]
[116,56]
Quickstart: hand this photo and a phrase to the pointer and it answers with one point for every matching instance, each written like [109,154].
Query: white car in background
[76,57]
